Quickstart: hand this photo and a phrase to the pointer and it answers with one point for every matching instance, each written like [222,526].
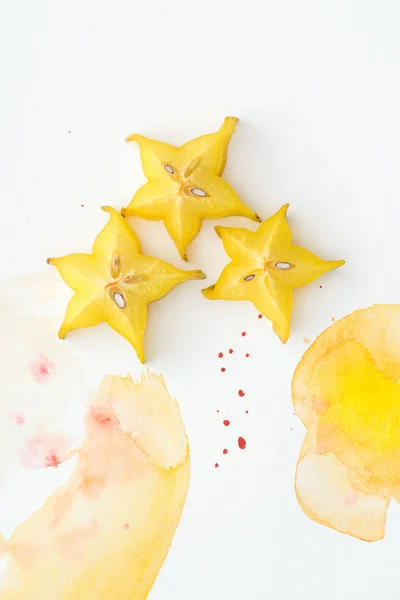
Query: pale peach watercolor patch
[346,391]
[106,533]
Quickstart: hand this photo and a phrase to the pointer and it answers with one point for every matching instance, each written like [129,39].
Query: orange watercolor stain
[346,390]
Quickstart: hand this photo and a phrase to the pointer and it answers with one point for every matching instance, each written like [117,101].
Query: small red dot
[247,355]
[217,410]
[247,412]
[243,333]
[226,423]
[220,355]
[260,316]
[225,451]
[242,443]
[241,393]
[320,286]
[216,465]
[126,526]
[230,351]
[223,369]
[82,205]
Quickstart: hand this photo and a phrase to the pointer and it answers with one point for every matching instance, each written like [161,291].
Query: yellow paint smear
[105,534]
[346,390]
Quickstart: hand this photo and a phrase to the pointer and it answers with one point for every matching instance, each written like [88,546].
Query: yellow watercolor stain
[106,533]
[346,390]
[306,340]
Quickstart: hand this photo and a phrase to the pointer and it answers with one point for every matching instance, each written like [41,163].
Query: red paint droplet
[247,412]
[243,333]
[220,355]
[260,316]
[51,460]
[223,369]
[242,443]
[217,410]
[216,465]
[320,286]
[226,423]
[225,451]
[247,355]
[126,526]
[230,351]
[82,205]
[241,393]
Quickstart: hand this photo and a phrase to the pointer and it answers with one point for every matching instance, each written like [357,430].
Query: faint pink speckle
[18,419]
[126,526]
[351,499]
[42,369]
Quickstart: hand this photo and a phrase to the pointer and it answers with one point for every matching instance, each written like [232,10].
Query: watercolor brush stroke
[106,533]
[346,391]
[42,390]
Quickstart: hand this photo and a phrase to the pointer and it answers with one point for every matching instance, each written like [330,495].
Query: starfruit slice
[185,184]
[116,283]
[265,268]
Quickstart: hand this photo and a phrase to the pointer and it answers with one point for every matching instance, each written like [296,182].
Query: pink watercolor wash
[45,450]
[42,369]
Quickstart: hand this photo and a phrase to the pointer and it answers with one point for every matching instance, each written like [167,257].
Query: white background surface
[316,86]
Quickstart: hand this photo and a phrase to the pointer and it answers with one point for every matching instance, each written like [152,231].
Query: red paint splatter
[260,316]
[247,412]
[247,355]
[225,451]
[241,393]
[320,286]
[242,443]
[223,369]
[82,205]
[220,355]
[230,351]
[217,410]
[126,526]
[226,423]
[243,333]
[52,460]
[42,369]
[216,465]
[18,419]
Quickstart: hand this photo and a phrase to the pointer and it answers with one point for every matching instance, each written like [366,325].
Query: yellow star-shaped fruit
[116,283]
[185,185]
[265,268]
